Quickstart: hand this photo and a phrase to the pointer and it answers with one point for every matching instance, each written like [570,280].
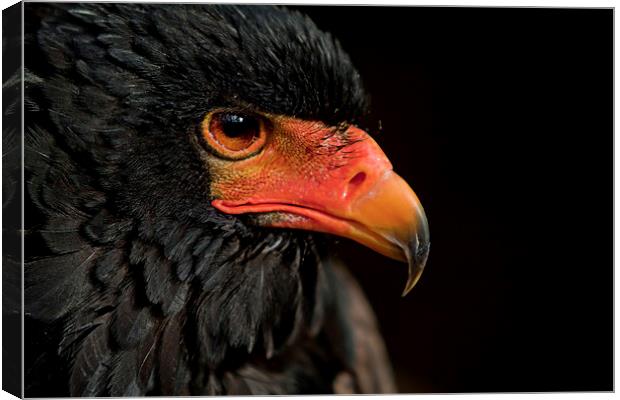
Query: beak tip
[417,262]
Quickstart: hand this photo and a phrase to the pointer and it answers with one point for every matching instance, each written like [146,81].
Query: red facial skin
[305,175]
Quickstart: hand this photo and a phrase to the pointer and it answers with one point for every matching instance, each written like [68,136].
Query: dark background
[501,120]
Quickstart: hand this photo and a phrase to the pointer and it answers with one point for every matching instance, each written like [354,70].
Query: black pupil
[236,125]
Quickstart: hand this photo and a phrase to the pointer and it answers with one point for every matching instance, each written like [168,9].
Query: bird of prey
[186,169]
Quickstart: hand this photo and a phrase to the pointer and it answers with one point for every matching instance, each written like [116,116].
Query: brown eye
[234,135]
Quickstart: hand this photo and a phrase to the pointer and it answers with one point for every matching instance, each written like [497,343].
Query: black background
[501,120]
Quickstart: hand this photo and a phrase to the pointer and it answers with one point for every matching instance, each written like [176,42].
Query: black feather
[57,285]
[91,364]
[174,373]
[124,375]
[131,322]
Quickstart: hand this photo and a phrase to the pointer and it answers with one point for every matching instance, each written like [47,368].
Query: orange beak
[361,198]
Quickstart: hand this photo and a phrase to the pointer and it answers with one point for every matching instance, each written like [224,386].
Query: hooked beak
[391,220]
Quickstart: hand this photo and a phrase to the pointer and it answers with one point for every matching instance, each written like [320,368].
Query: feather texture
[91,364]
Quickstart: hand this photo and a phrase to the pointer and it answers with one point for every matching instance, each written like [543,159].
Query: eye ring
[234,135]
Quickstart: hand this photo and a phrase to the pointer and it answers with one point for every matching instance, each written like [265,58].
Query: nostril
[358,179]
[354,183]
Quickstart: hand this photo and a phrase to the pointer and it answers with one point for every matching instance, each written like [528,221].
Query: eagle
[187,167]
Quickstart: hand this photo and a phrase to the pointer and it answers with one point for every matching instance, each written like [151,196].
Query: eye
[234,135]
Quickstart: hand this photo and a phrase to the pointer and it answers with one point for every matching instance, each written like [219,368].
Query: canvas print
[229,199]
